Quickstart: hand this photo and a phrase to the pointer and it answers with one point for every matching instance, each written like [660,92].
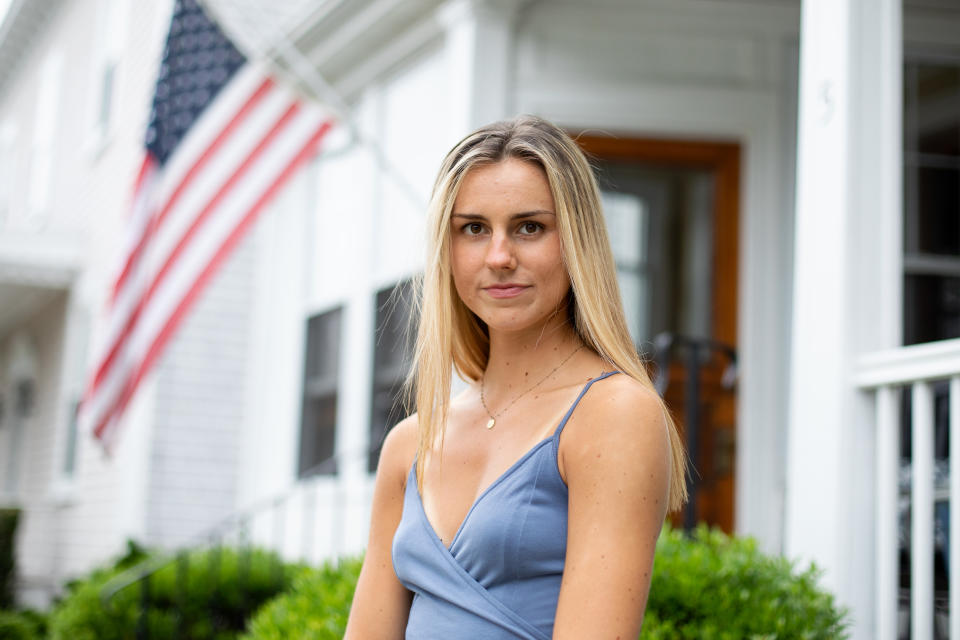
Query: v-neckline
[503,476]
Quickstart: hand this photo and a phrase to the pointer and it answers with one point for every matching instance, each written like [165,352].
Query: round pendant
[490,423]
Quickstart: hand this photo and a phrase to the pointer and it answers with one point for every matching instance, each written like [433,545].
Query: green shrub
[709,586]
[715,587]
[315,608]
[8,532]
[22,625]
[205,594]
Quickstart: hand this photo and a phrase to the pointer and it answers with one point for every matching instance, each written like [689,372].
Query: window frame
[320,386]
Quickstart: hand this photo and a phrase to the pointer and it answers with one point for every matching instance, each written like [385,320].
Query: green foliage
[316,608]
[8,531]
[716,587]
[204,594]
[707,587]
[22,625]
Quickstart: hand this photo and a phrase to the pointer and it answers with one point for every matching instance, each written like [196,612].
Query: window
[318,418]
[24,394]
[627,218]
[111,27]
[8,135]
[44,140]
[931,275]
[70,450]
[392,356]
[660,219]
[931,164]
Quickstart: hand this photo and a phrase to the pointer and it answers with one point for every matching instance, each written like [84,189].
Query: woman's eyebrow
[514,216]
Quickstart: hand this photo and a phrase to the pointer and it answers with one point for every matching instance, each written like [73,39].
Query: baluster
[888,547]
[921,543]
[953,543]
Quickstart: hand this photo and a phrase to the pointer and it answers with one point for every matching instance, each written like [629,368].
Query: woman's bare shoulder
[622,392]
[399,449]
[616,410]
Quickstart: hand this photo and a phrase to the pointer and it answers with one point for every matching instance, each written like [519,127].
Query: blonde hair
[451,337]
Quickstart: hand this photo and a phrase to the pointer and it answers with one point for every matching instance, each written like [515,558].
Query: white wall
[200,390]
[85,187]
[349,226]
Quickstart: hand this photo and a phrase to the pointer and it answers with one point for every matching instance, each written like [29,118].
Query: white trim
[847,299]
[903,365]
[921,511]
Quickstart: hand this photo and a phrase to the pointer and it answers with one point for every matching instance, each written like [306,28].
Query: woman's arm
[616,462]
[381,604]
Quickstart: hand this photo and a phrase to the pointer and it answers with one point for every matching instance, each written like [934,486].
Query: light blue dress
[500,576]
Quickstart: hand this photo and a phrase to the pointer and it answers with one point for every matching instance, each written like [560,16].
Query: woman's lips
[506,291]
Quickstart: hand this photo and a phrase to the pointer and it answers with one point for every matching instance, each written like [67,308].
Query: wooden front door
[672,212]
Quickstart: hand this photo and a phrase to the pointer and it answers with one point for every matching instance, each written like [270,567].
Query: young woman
[529,505]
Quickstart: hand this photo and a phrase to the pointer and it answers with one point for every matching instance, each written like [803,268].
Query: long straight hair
[451,337]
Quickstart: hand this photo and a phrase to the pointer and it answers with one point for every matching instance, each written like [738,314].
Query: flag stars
[198,61]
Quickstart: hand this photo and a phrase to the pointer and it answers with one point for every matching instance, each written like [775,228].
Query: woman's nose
[500,252]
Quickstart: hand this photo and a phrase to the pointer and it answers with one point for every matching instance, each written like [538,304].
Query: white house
[782,178]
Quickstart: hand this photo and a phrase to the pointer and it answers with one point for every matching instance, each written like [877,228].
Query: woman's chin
[514,322]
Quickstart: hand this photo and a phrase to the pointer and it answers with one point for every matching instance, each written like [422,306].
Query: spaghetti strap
[500,575]
[607,374]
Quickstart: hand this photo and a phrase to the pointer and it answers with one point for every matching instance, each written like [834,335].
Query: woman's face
[505,246]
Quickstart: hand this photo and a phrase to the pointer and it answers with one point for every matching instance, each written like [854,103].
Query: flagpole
[279,49]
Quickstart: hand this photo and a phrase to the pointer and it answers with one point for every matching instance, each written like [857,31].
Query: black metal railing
[698,351]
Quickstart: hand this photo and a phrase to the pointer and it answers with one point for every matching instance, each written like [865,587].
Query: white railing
[317,519]
[917,368]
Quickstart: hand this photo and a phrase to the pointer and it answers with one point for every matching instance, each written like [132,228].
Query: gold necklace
[493,418]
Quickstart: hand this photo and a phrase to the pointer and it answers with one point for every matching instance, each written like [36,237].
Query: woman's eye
[529,228]
[472,228]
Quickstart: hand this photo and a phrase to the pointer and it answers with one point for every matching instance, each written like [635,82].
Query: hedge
[705,586]
[711,586]
[315,608]
[207,594]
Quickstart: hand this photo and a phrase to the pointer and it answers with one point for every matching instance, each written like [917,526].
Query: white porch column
[846,296]
[479,42]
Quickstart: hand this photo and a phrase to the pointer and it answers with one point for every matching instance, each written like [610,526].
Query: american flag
[224,136]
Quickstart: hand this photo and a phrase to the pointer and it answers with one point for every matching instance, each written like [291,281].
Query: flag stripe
[181,184]
[200,219]
[125,314]
[207,272]
[164,297]
[223,138]
[244,84]
[232,156]
[170,234]
[162,237]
